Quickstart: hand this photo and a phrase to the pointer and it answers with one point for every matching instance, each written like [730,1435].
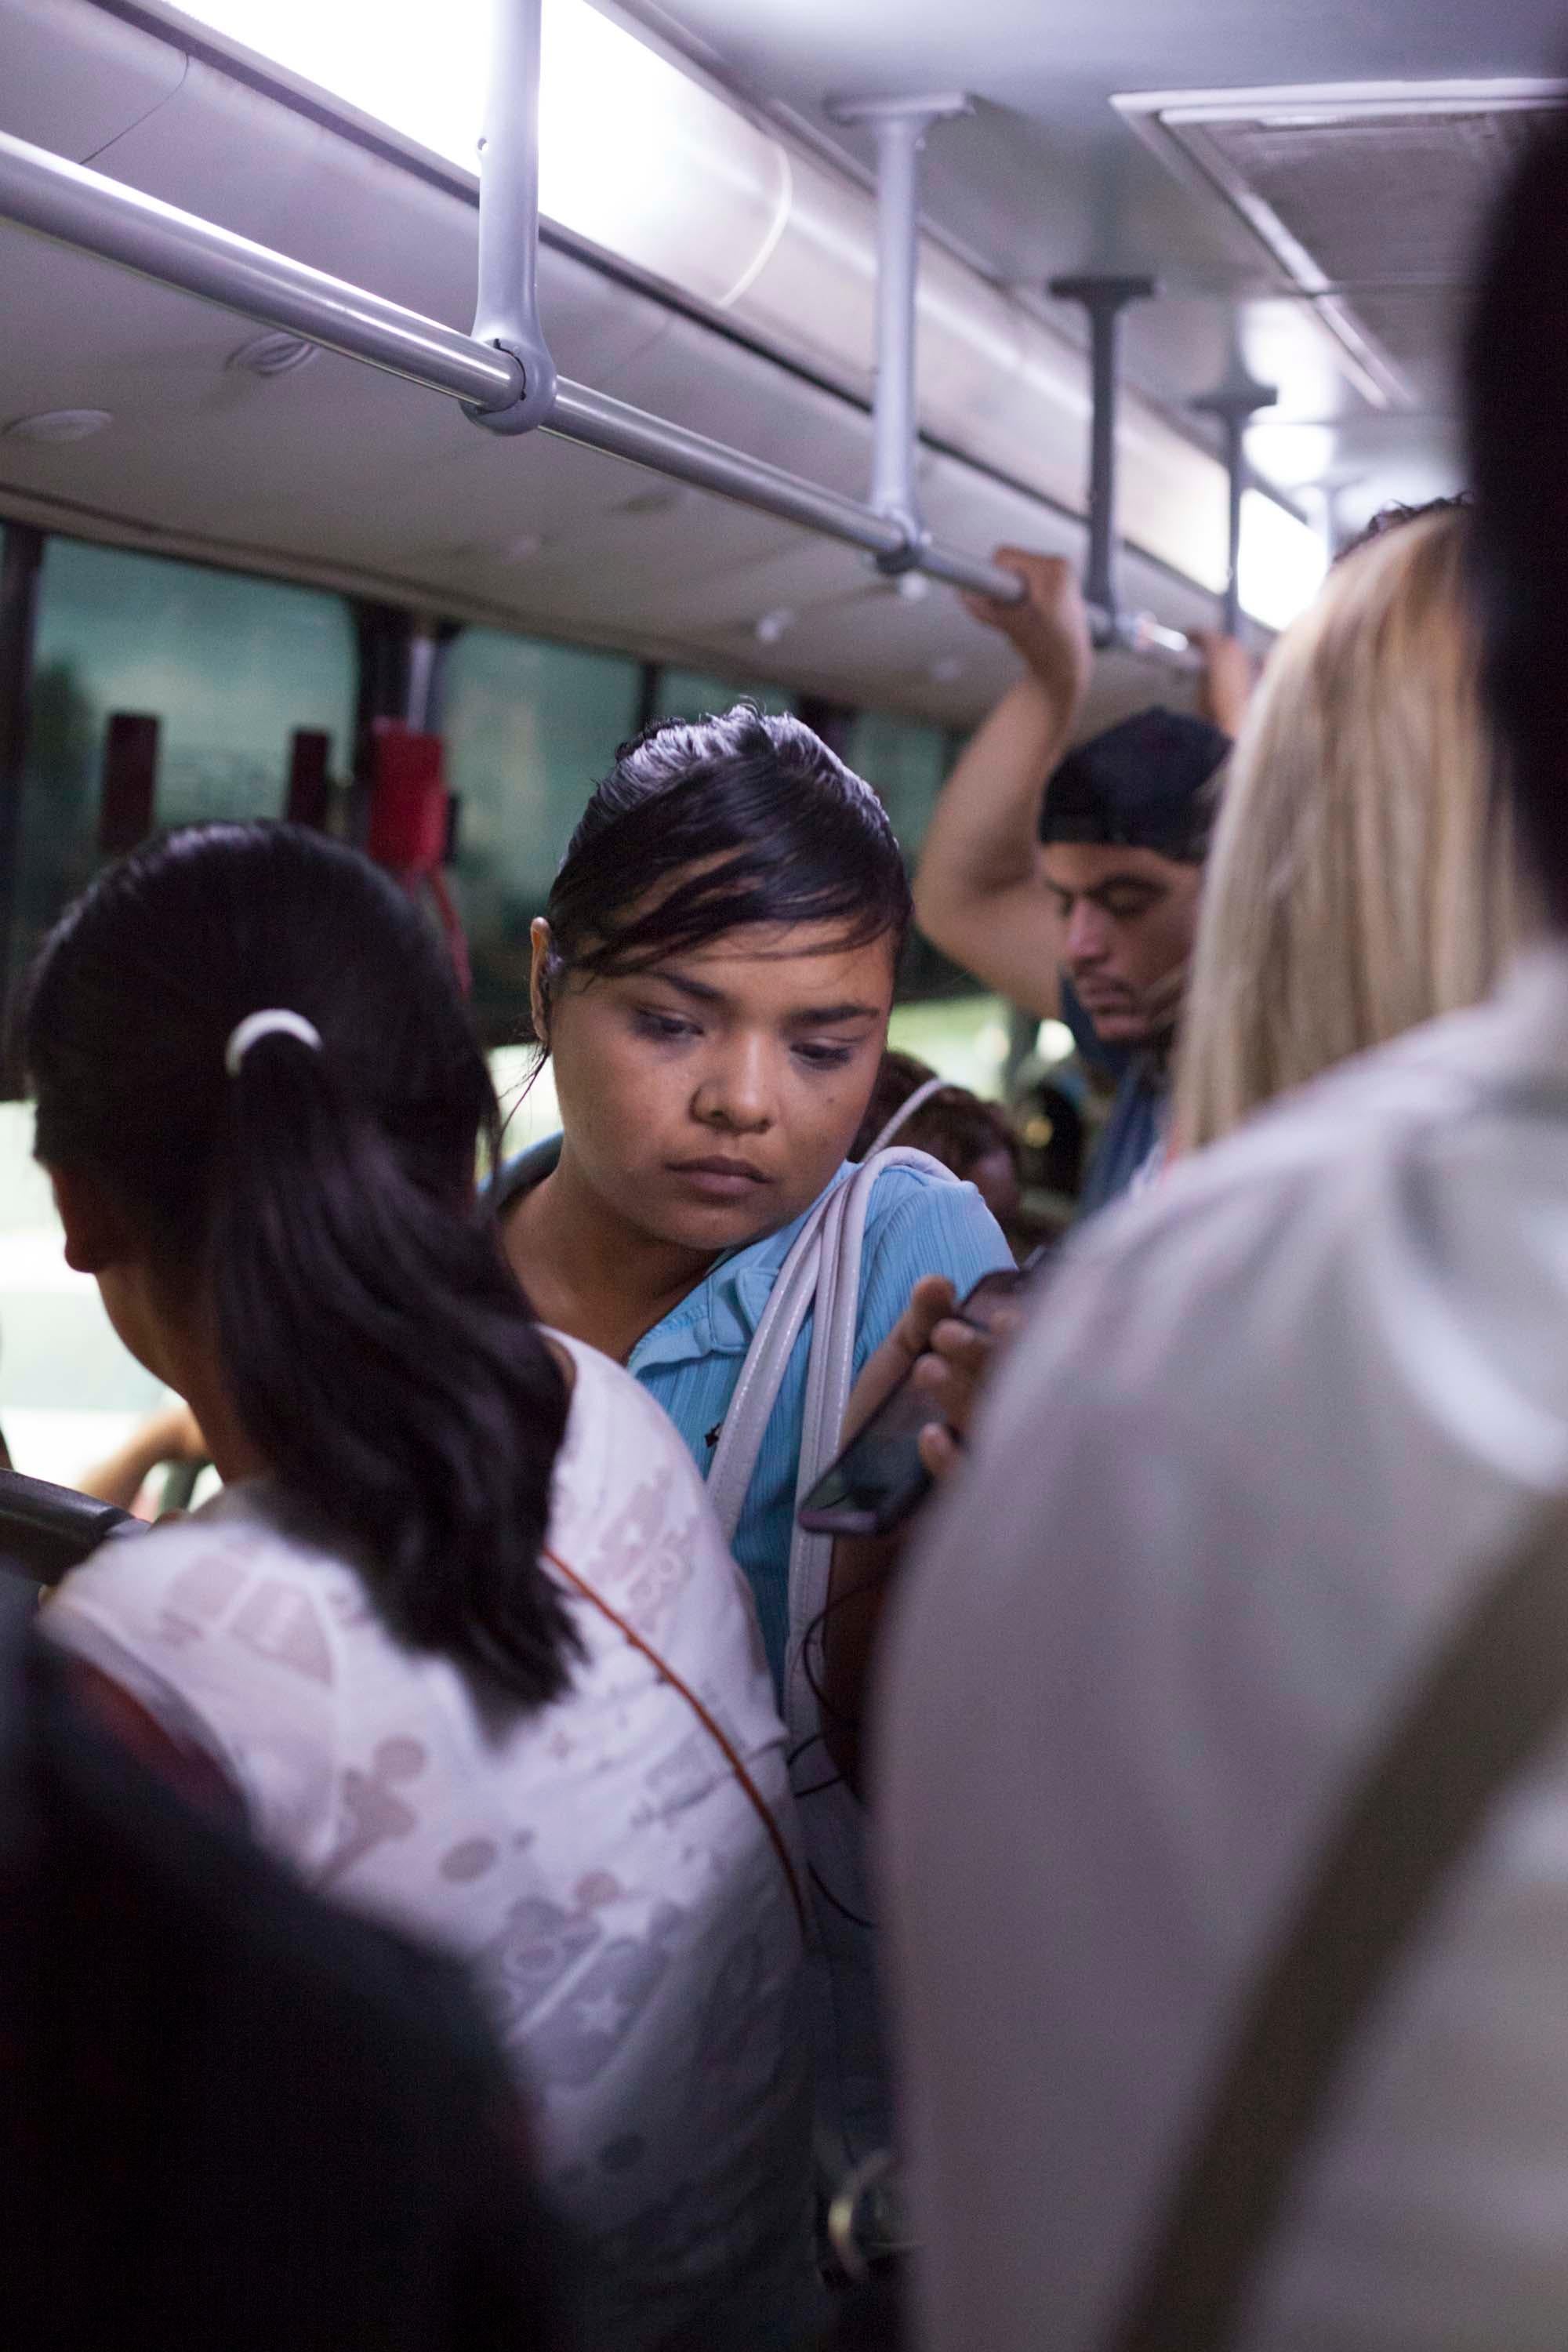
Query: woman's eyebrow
[824,1016]
[806,1016]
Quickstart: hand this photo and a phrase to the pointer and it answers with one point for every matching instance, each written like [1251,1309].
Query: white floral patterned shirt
[599,1862]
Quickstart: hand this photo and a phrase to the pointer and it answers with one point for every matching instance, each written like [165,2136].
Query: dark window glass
[692,694]
[228,665]
[905,764]
[529,729]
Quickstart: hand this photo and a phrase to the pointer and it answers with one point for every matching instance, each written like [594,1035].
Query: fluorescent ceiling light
[1283,560]
[633,153]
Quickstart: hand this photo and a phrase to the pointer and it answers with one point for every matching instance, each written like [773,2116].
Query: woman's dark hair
[376,1347]
[704,825]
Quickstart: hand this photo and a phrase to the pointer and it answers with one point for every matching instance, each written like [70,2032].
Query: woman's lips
[719,1178]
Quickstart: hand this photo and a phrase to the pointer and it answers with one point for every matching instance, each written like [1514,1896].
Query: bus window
[690,693]
[230,666]
[905,762]
[528,728]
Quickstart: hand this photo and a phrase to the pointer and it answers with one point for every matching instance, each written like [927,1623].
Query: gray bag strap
[1497,1693]
[840,1215]
[740,1439]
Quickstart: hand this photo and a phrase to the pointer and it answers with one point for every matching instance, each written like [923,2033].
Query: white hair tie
[276,1024]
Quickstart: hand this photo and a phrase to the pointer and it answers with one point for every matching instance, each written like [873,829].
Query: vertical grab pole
[507,313]
[1104,299]
[1233,403]
[899,126]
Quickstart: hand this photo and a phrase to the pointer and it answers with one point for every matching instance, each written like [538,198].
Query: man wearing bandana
[1070,884]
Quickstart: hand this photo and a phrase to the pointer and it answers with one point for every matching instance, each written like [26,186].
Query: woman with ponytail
[460,1635]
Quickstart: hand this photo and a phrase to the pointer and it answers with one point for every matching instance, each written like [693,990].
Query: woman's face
[708,1100]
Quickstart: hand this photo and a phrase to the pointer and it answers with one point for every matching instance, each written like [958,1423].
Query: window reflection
[230,666]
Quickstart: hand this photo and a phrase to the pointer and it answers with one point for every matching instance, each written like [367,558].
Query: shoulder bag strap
[794,1296]
[830,1379]
[906,1111]
[740,1439]
[711,1725]
[1497,1693]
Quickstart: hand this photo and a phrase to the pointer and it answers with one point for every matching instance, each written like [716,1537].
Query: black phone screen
[879,1477]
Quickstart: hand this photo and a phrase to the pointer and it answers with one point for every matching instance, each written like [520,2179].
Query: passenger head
[1363,877]
[974,1139]
[713,975]
[1125,827]
[1516,386]
[304,1218]
[968,1135]
[1396,514]
[899,1076]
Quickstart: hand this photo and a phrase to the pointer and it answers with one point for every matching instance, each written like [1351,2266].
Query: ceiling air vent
[1366,197]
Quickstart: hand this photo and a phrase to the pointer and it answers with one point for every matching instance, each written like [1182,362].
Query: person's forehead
[1083,866]
[802,963]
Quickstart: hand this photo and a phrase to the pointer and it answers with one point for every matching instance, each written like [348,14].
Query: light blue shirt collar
[720,1316]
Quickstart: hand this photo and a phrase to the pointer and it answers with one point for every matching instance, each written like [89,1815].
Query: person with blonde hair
[1221,1769]
[1361,877]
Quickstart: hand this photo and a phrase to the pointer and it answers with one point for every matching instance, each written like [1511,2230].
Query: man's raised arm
[978,893]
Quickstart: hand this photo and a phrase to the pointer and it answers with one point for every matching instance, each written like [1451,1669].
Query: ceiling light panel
[634,154]
[662,170]
[1368,196]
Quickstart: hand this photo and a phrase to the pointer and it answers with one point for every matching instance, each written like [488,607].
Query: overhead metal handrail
[1104,300]
[83,208]
[502,373]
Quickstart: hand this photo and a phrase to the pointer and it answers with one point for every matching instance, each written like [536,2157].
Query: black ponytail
[376,1347]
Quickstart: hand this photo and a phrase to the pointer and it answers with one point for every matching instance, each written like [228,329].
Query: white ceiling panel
[80,103]
[1044,179]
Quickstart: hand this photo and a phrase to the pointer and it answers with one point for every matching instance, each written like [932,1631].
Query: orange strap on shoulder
[715,1730]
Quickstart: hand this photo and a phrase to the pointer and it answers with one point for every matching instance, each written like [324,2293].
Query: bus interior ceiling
[339,475]
[709,255]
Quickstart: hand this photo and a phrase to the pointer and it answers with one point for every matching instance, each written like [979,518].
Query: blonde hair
[1363,876]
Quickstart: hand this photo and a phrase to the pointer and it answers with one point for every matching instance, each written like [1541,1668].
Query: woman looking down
[441,1636]
[712,980]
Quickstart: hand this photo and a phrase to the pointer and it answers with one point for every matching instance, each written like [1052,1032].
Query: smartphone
[879,1477]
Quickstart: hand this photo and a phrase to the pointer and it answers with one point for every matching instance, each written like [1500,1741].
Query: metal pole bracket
[507,316]
[899,126]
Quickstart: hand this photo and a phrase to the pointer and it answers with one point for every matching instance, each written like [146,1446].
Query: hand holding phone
[881,1476]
